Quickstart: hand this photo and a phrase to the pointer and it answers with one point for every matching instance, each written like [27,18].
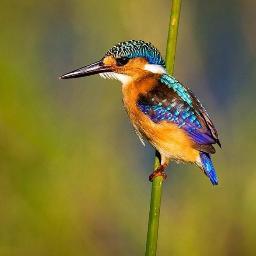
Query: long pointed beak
[92,69]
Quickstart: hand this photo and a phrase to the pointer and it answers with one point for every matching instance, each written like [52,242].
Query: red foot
[155,174]
[158,172]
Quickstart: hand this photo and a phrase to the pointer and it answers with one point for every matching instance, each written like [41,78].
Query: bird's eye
[121,61]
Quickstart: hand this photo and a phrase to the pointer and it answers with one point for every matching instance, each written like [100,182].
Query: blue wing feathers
[171,101]
[172,83]
[184,119]
[208,168]
[203,113]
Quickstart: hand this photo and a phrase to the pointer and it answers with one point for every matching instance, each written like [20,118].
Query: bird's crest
[136,48]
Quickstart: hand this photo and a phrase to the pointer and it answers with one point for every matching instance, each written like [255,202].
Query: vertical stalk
[172,36]
[156,190]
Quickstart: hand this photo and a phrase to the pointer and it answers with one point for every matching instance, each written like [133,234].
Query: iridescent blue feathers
[173,113]
[137,48]
[173,84]
[208,168]
[170,101]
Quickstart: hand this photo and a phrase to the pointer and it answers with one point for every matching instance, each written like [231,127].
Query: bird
[161,109]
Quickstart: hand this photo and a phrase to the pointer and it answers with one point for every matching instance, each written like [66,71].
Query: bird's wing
[203,113]
[170,101]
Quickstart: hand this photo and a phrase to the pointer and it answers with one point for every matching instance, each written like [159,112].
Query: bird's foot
[160,171]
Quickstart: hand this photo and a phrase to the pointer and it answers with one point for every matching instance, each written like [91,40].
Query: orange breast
[166,137]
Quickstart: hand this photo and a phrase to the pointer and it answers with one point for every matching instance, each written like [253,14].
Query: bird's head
[125,61]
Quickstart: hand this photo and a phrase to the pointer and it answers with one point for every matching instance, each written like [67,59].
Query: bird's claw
[157,173]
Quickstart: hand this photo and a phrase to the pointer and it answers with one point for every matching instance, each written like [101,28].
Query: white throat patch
[124,79]
[157,69]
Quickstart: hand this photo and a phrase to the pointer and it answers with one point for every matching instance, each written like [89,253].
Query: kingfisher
[162,110]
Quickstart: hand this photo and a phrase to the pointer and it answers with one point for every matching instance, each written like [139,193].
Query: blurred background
[73,174]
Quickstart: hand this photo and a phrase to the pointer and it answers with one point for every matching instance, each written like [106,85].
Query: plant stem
[172,36]
[156,190]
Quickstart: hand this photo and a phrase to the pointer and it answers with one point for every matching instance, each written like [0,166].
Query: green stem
[172,36]
[156,190]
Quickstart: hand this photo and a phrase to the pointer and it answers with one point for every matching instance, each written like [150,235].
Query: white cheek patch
[124,79]
[157,69]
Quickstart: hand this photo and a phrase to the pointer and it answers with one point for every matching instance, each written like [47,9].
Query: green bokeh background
[73,175]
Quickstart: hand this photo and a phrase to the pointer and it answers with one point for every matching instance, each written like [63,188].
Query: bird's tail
[207,166]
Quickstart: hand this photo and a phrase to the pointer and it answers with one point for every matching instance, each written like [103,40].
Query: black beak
[92,69]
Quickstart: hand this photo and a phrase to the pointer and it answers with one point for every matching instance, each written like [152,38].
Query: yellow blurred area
[73,175]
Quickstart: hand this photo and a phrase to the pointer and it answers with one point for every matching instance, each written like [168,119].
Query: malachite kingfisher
[160,108]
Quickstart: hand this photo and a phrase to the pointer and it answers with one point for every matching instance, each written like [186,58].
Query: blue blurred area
[73,177]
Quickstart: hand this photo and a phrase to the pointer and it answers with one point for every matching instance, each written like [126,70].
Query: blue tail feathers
[208,168]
